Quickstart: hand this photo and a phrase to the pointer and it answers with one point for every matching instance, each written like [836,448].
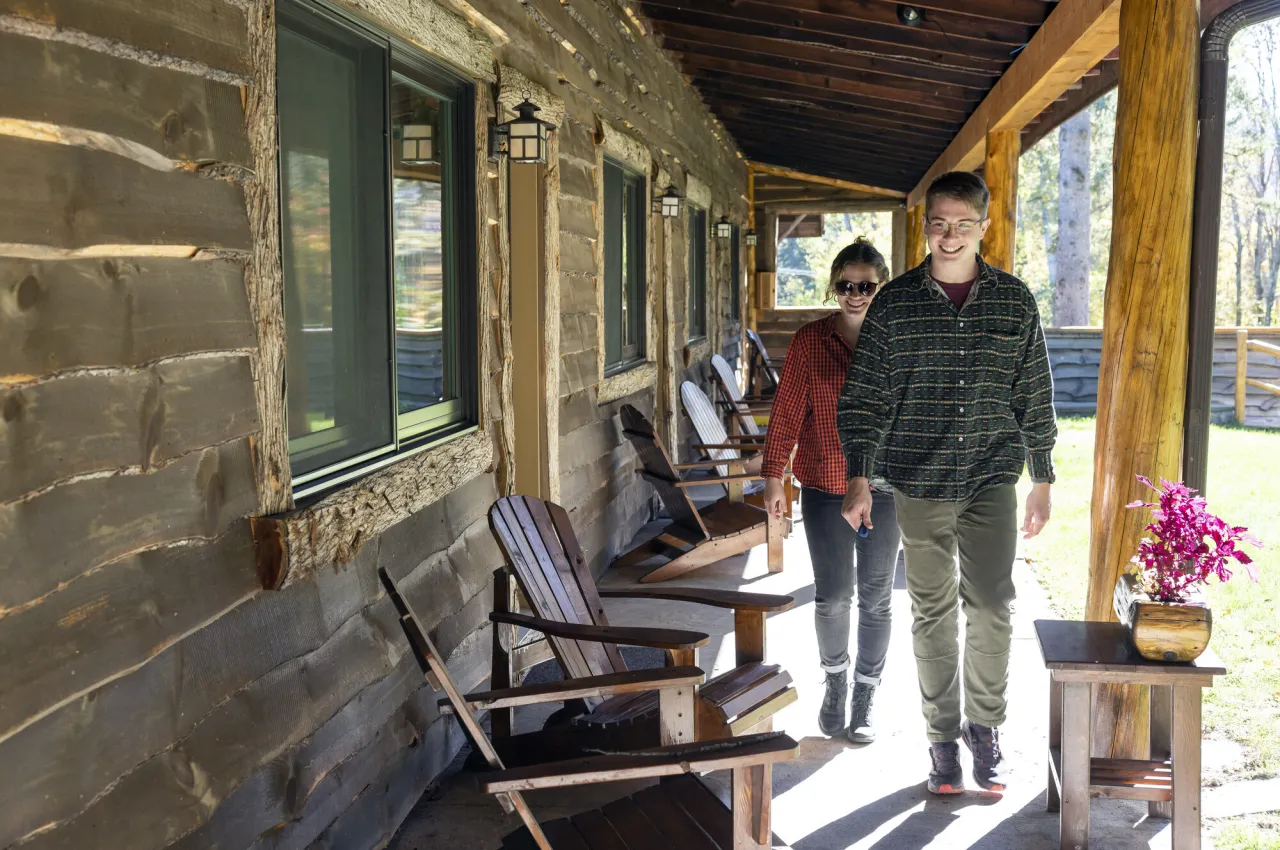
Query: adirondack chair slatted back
[433,666]
[709,427]
[659,471]
[538,542]
[729,386]
[760,359]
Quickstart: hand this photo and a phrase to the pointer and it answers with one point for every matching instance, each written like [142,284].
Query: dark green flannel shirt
[944,402]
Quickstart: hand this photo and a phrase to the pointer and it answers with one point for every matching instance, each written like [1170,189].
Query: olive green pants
[983,532]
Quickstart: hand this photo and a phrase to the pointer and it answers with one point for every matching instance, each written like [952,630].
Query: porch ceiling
[841,88]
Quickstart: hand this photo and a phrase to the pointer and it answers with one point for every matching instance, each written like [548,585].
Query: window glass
[624,262]
[697,273]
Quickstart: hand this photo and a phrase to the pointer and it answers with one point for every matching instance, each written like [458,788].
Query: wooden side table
[1080,655]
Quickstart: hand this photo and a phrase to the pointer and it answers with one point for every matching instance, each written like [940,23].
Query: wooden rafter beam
[777,171]
[1075,38]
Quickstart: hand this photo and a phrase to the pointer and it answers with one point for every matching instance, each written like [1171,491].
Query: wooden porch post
[898,261]
[915,236]
[752,312]
[1001,172]
[1142,382]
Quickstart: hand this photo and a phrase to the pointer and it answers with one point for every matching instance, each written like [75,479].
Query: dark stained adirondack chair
[542,553]
[680,811]
[762,370]
[696,537]
[736,455]
[739,411]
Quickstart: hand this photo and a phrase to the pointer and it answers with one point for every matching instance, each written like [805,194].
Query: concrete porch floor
[836,795]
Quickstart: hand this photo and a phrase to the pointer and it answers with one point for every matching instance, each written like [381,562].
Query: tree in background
[1071,281]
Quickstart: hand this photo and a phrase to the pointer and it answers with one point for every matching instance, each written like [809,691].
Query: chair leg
[753,804]
[500,674]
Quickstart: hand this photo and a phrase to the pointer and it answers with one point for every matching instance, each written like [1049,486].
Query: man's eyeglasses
[938,227]
[847,287]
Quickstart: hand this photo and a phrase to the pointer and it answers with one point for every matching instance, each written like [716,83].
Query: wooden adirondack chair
[739,410]
[696,538]
[730,455]
[542,552]
[678,812]
[762,370]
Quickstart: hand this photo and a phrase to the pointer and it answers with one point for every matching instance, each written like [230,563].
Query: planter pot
[1162,631]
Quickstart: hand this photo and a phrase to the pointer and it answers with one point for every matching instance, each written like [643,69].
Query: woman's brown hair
[860,252]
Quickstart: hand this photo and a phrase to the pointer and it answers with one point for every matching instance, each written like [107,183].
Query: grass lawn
[1242,489]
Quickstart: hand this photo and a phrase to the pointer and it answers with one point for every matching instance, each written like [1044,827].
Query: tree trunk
[1235,219]
[1071,289]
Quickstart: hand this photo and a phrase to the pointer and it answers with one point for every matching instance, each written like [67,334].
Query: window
[735,273]
[624,264]
[697,273]
[377,189]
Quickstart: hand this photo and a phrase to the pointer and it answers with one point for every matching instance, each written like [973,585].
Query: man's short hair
[960,186]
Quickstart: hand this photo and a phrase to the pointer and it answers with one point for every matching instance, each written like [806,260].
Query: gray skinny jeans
[832,548]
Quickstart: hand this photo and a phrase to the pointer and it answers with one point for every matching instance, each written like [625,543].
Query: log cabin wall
[155,695]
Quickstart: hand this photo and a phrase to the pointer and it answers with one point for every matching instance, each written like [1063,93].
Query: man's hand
[857,503]
[1037,511]
[775,497]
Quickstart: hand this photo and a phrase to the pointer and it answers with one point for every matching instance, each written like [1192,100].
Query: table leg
[1053,801]
[1077,748]
[1186,767]
[1161,723]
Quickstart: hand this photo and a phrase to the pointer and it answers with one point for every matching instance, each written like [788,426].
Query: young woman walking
[804,418]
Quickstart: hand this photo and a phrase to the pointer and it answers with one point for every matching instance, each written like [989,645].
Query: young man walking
[948,394]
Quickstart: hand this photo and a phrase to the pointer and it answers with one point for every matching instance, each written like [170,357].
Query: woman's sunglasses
[847,287]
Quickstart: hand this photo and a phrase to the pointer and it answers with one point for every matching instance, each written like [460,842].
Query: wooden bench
[1080,655]
[678,812]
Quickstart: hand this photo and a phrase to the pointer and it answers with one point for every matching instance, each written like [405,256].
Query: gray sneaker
[988,761]
[860,728]
[831,715]
[946,777]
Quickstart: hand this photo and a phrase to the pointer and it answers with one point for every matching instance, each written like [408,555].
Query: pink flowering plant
[1188,545]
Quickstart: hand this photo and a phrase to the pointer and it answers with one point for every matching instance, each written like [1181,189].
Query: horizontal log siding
[155,695]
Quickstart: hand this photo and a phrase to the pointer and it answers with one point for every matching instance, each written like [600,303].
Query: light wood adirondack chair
[542,552]
[729,455]
[739,410]
[680,811]
[696,538]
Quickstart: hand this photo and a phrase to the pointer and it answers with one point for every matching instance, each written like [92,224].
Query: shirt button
[962,382]
[962,439]
[962,324]
[962,411]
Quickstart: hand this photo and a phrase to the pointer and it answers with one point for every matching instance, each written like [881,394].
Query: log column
[1001,170]
[1142,381]
[899,259]
[915,236]
[752,312]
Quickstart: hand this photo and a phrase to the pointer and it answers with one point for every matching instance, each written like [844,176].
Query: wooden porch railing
[1243,346]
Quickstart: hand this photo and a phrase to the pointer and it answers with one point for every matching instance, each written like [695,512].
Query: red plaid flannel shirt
[804,409]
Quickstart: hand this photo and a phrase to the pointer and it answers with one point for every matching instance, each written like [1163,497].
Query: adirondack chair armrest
[724,479]
[749,447]
[582,688]
[624,635]
[705,464]
[764,603]
[697,757]
[753,403]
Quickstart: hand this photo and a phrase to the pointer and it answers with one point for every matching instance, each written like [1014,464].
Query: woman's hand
[774,497]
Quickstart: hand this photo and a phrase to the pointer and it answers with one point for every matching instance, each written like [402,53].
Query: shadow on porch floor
[836,795]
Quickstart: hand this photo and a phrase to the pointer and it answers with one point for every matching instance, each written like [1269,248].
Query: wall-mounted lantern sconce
[668,203]
[912,16]
[724,229]
[523,138]
[751,237]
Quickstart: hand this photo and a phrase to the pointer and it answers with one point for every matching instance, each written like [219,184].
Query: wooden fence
[1243,382]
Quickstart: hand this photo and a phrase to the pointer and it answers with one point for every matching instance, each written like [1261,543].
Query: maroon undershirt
[957,292]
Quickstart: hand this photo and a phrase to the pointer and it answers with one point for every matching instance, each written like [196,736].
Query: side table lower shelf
[1122,779]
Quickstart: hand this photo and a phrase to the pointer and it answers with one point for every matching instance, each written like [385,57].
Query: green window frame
[378,245]
[697,273]
[625,294]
